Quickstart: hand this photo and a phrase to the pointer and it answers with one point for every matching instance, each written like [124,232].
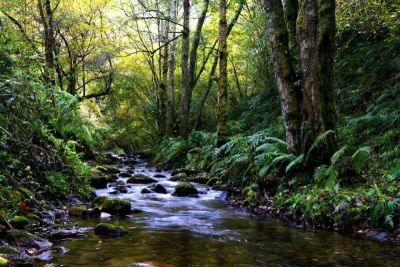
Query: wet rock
[145,191]
[159,175]
[141,179]
[111,158]
[61,250]
[45,256]
[78,211]
[25,239]
[4,262]
[19,222]
[125,175]
[105,215]
[185,189]
[377,236]
[120,186]
[109,229]
[100,182]
[136,211]
[115,206]
[179,177]
[159,188]
[69,233]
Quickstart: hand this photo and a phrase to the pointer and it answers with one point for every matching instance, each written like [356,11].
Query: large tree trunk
[313,52]
[185,87]
[326,49]
[222,104]
[284,73]
[170,116]
[316,37]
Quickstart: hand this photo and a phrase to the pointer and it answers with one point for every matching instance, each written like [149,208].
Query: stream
[204,231]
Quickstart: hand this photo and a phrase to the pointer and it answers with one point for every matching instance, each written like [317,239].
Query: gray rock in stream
[141,179]
[159,188]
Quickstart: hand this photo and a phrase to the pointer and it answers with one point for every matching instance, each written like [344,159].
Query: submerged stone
[109,229]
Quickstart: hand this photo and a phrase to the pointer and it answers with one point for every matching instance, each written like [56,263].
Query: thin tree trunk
[200,108]
[222,104]
[284,73]
[46,14]
[185,89]
[164,78]
[170,116]
[211,78]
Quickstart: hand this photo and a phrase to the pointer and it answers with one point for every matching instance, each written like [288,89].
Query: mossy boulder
[105,170]
[19,222]
[4,262]
[115,206]
[145,191]
[141,179]
[179,177]
[101,181]
[109,229]
[185,190]
[78,211]
[159,188]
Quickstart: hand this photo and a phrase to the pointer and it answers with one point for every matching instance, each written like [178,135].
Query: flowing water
[204,231]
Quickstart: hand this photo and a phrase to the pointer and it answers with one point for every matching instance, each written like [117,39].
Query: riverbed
[183,231]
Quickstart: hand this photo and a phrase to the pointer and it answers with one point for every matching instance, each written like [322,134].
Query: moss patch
[109,229]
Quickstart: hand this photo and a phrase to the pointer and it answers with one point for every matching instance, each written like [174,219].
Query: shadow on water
[204,231]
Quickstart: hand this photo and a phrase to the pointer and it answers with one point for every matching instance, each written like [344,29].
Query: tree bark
[211,78]
[284,73]
[184,101]
[164,78]
[222,103]
[170,115]
[46,14]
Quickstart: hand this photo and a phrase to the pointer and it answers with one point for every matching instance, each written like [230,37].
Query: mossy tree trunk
[222,104]
[302,34]
[284,72]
